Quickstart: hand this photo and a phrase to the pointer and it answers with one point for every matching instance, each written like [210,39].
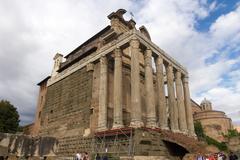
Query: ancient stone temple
[119,94]
[108,82]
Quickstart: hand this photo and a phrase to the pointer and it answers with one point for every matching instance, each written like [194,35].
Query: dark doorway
[175,150]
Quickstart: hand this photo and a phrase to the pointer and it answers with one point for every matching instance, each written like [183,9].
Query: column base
[176,131]
[151,125]
[136,124]
[185,132]
[100,129]
[164,128]
[117,126]
[192,135]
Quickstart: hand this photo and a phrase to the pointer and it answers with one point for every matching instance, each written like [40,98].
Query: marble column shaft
[102,115]
[136,114]
[150,100]
[188,106]
[171,99]
[117,90]
[161,102]
[180,103]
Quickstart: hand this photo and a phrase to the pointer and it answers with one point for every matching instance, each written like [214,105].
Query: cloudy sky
[203,35]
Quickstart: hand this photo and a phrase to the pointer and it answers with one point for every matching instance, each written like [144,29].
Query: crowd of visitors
[82,156]
[217,156]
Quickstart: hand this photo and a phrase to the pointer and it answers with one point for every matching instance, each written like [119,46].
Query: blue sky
[203,35]
[222,7]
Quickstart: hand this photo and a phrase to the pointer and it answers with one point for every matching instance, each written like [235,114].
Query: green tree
[9,117]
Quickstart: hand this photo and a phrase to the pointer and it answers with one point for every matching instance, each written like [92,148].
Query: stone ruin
[117,94]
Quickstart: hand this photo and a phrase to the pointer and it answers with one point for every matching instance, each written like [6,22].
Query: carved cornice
[122,39]
[132,36]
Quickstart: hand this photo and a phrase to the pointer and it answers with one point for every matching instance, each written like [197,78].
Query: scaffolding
[115,142]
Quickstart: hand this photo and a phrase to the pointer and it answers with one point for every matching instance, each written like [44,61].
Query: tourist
[211,157]
[105,157]
[98,157]
[233,156]
[78,156]
[200,157]
[223,156]
[219,156]
[85,156]
[207,157]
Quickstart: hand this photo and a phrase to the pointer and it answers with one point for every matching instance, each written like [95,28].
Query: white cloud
[225,99]
[33,31]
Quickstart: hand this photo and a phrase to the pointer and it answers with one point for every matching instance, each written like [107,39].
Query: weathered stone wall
[40,104]
[69,146]
[27,146]
[67,109]
[215,123]
[149,144]
[29,129]
[234,144]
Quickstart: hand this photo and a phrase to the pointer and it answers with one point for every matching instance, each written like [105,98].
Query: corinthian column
[102,113]
[136,114]
[188,107]
[161,102]
[117,90]
[171,99]
[150,100]
[180,103]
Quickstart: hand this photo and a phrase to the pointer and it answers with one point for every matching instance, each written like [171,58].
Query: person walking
[105,157]
[78,156]
[233,156]
[98,157]
[200,157]
[85,157]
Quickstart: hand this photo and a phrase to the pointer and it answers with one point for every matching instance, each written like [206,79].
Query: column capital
[159,60]
[103,60]
[148,53]
[178,75]
[117,52]
[170,66]
[185,79]
[135,43]
[90,67]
